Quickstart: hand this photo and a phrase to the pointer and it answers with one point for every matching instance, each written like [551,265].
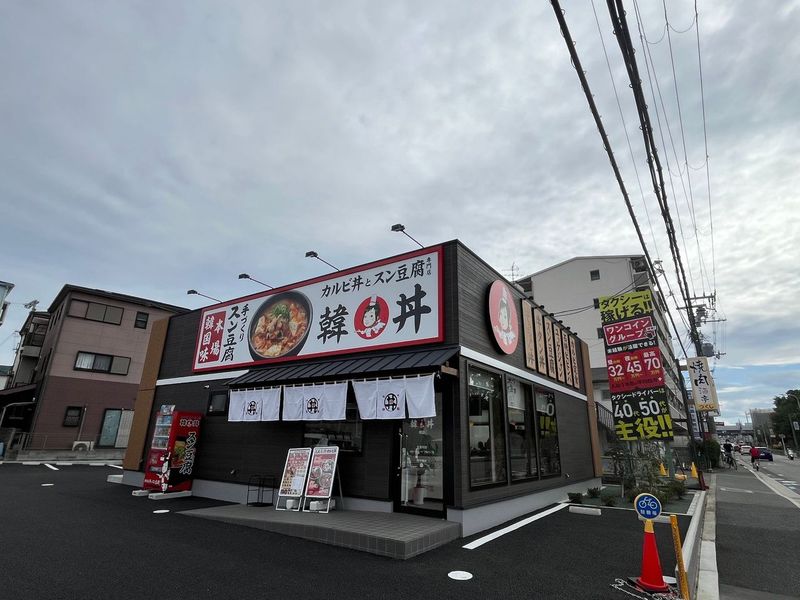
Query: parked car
[744,450]
[765,453]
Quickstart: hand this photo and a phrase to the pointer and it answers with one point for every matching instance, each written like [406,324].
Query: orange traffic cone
[651,579]
[662,470]
[694,471]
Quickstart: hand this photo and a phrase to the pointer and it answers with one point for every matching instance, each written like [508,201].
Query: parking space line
[114,466]
[51,467]
[501,532]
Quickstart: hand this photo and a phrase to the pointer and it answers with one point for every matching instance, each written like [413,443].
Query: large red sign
[635,370]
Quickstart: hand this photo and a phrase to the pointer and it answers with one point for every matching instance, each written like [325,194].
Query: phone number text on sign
[638,369]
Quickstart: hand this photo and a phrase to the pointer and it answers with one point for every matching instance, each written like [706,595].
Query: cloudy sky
[152,147]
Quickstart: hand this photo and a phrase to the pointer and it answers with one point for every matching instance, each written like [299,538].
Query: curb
[707,575]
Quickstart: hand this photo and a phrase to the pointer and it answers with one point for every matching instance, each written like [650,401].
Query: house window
[600,333]
[217,403]
[141,320]
[72,416]
[596,302]
[594,275]
[487,428]
[102,363]
[547,427]
[348,435]
[521,430]
[94,311]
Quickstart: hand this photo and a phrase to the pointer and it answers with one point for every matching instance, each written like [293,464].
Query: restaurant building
[448,393]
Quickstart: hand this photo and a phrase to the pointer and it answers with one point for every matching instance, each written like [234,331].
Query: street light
[195,292]
[246,276]
[400,228]
[313,254]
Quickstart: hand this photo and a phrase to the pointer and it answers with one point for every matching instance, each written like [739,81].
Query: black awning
[374,364]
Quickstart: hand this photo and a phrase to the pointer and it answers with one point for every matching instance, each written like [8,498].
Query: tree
[786,411]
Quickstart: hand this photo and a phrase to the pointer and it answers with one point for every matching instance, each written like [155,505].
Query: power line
[576,63]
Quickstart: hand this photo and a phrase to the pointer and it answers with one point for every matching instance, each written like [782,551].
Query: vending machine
[171,459]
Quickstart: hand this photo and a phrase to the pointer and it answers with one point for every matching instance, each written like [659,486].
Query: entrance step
[387,534]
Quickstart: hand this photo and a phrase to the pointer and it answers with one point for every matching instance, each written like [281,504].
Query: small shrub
[678,489]
[609,498]
[594,492]
[575,498]
[631,493]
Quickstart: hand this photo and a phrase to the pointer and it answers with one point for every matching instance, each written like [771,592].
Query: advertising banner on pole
[635,371]
[704,391]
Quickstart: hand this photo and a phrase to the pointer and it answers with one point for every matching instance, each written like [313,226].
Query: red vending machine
[170,461]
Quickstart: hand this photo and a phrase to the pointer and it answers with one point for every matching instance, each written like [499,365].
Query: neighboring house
[5,376]
[89,367]
[571,290]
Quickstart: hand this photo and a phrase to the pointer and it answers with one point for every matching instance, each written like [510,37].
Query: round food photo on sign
[280,326]
[503,317]
[371,317]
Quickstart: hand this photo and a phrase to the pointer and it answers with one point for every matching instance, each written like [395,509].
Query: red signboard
[503,317]
[172,456]
[634,330]
[635,370]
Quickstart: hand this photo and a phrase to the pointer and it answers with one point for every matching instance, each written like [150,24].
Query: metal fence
[53,441]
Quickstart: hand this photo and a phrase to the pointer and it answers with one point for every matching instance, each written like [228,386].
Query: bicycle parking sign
[647,506]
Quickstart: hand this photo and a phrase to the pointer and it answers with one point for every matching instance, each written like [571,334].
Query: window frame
[594,275]
[137,319]
[503,417]
[542,390]
[95,355]
[89,306]
[67,411]
[530,429]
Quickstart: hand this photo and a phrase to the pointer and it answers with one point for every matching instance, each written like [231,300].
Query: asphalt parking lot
[84,538]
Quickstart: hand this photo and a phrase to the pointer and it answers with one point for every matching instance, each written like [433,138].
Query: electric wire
[601,129]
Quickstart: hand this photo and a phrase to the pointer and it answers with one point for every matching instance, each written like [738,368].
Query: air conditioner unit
[83,446]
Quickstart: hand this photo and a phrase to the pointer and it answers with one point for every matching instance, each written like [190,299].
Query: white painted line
[114,466]
[723,489]
[459,575]
[51,467]
[778,488]
[48,484]
[160,511]
[501,532]
[97,464]
[31,464]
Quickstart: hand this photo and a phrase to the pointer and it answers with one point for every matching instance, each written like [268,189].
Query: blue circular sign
[647,506]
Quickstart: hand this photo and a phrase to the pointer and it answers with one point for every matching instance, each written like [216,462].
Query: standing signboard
[635,371]
[321,475]
[293,480]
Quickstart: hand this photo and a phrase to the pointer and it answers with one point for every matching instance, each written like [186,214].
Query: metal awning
[374,364]
[4,394]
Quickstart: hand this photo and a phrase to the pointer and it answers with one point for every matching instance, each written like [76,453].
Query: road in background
[758,534]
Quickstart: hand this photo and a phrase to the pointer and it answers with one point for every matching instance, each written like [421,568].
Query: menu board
[320,475]
[294,472]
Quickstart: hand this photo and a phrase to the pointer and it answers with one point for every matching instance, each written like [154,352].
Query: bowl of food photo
[280,326]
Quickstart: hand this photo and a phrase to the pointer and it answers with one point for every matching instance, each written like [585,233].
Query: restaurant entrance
[419,465]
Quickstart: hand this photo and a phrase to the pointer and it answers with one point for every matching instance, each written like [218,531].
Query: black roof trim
[363,366]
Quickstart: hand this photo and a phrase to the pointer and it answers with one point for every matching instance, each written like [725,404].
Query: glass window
[600,333]
[120,365]
[547,426]
[113,315]
[217,403]
[487,427]
[521,442]
[348,435]
[596,302]
[72,416]
[102,362]
[77,308]
[141,320]
[96,312]
[85,360]
[594,275]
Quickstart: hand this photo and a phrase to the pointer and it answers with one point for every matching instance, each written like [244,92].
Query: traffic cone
[661,470]
[694,471]
[651,579]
